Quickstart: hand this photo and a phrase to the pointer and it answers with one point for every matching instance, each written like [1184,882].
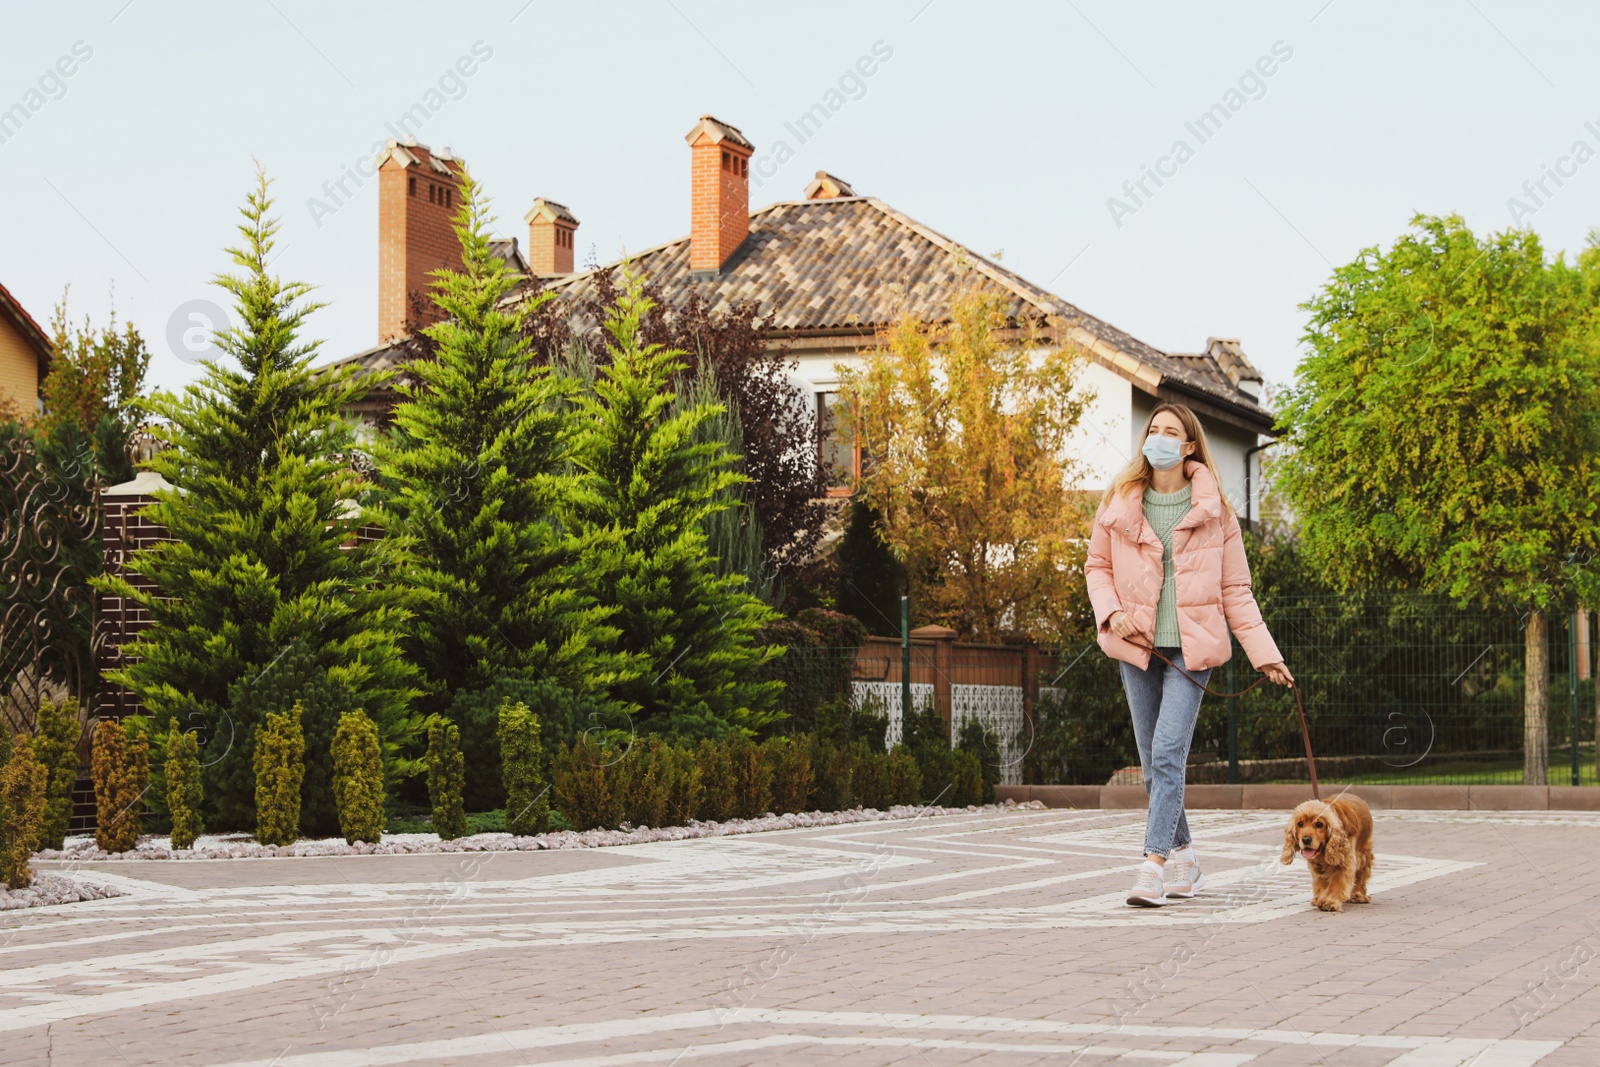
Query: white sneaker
[1148,890]
[1183,878]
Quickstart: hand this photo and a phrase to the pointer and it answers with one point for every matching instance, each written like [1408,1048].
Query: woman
[1166,568]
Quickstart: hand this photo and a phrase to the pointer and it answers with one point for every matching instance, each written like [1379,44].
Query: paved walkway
[980,938]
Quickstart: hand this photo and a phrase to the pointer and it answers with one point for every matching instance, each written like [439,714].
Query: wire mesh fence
[1404,689]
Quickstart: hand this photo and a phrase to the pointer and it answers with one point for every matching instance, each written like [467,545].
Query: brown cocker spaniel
[1335,837]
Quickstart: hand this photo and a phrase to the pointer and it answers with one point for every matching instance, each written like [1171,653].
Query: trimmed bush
[583,780]
[834,771]
[121,772]
[23,782]
[184,793]
[358,778]
[685,784]
[644,778]
[752,778]
[982,741]
[869,778]
[925,737]
[446,779]
[522,771]
[56,746]
[294,677]
[280,767]
[966,781]
[841,721]
[719,801]
[904,777]
[792,781]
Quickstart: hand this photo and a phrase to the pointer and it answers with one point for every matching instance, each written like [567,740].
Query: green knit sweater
[1163,510]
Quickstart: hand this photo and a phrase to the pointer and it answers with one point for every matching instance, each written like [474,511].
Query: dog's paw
[1328,905]
[1360,898]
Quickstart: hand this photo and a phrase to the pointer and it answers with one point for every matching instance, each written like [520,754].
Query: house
[833,267]
[25,354]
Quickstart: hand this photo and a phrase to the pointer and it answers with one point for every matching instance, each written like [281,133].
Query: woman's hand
[1121,625]
[1278,672]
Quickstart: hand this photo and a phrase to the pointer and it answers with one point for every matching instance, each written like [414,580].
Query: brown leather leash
[1305,733]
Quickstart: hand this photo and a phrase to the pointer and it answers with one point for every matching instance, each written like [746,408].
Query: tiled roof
[856,264]
[852,265]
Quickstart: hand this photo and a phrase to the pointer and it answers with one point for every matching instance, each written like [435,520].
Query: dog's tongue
[1308,853]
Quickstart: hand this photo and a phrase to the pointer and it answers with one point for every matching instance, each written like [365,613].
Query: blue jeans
[1165,706]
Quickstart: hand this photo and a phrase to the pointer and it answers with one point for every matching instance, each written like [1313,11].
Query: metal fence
[1401,689]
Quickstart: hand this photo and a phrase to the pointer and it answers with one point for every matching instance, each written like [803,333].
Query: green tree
[650,483]
[358,778]
[265,556]
[279,757]
[522,765]
[733,531]
[446,771]
[22,805]
[56,746]
[120,769]
[1443,434]
[96,385]
[474,473]
[870,579]
[182,772]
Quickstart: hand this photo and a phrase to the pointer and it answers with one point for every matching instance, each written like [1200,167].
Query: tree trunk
[1536,703]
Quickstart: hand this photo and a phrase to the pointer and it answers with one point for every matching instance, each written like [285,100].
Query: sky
[1021,130]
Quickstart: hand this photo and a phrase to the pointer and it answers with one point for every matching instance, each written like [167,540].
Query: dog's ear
[1290,844]
[1338,849]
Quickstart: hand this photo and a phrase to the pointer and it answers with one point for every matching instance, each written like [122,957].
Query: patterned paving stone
[992,937]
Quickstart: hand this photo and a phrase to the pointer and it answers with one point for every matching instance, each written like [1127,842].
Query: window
[727,160]
[841,460]
[744,168]
[411,186]
[449,197]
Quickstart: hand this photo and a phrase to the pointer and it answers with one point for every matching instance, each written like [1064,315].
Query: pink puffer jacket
[1213,576]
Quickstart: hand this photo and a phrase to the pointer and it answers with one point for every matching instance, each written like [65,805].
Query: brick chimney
[828,187]
[719,218]
[550,230]
[418,195]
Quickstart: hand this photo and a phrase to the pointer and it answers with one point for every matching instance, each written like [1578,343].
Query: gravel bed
[48,889]
[242,846]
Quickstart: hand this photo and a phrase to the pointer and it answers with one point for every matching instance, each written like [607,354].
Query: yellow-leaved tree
[964,433]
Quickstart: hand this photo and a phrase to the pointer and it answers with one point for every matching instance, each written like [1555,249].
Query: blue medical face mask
[1162,451]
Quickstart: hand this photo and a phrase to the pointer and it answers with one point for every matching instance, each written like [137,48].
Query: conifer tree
[22,804]
[121,772]
[475,472]
[279,761]
[652,479]
[182,772]
[446,771]
[522,765]
[260,515]
[358,778]
[733,532]
[56,746]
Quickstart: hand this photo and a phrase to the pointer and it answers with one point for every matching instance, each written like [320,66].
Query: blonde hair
[1135,477]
